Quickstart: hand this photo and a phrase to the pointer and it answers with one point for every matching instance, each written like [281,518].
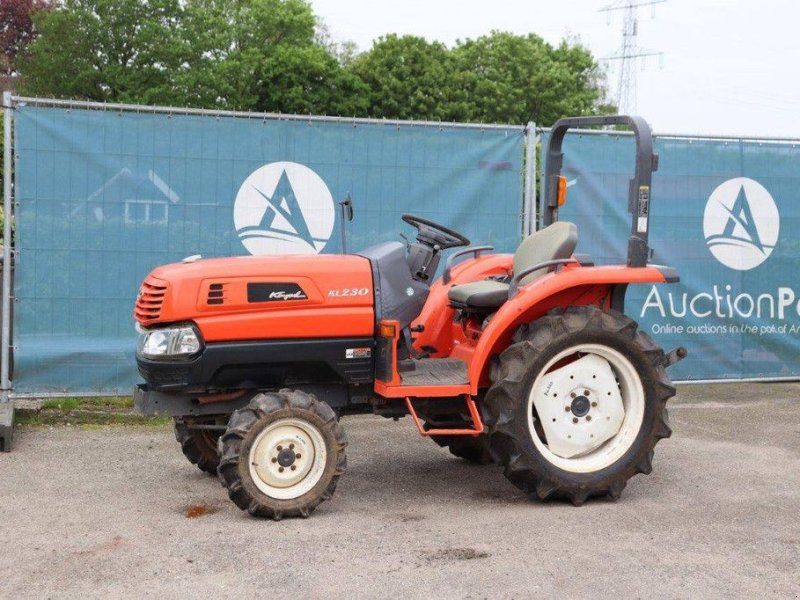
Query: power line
[630,53]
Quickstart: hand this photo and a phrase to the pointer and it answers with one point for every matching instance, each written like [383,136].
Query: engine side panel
[263,298]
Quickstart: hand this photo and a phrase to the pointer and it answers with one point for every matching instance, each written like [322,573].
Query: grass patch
[61,403]
[87,413]
[88,403]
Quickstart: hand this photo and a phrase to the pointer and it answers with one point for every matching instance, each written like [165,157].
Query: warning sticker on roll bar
[644,208]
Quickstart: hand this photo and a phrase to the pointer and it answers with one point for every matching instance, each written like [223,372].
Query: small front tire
[199,446]
[282,454]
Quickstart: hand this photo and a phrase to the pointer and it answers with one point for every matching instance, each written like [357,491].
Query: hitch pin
[676,355]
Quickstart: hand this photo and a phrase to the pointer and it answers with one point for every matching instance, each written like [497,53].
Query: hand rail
[514,287]
[476,250]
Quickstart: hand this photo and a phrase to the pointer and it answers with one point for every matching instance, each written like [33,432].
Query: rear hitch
[676,355]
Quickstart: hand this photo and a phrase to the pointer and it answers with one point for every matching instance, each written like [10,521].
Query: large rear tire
[474,449]
[199,446]
[282,454]
[620,383]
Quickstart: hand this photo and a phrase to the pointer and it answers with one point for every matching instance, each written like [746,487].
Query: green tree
[409,77]
[234,54]
[500,77]
[515,78]
[105,50]
[274,55]
[262,55]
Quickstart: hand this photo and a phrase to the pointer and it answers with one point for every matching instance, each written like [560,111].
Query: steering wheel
[434,234]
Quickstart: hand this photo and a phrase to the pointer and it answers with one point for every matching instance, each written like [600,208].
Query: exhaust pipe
[347,215]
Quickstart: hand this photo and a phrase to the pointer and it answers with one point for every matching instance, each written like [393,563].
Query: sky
[729,67]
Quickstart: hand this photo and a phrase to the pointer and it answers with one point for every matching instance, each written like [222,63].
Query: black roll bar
[639,188]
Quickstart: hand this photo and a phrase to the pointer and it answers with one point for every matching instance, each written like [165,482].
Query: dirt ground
[102,512]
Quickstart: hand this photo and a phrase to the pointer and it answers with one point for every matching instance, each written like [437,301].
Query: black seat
[557,241]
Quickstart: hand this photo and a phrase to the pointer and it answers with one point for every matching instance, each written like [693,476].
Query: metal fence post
[529,200]
[6,407]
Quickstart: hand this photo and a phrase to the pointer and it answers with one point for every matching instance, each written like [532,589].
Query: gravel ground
[102,512]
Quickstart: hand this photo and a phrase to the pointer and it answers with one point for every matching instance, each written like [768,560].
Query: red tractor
[526,360]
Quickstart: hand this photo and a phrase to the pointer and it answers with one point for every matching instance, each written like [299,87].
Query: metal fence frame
[10,102]
[529,206]
[794,142]
[5,330]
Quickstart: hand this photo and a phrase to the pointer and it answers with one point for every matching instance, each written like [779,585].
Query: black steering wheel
[434,234]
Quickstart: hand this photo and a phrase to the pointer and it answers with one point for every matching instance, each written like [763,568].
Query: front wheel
[198,439]
[282,454]
[577,404]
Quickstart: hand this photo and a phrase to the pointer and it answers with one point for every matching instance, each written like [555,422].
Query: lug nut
[567,409]
[594,403]
[585,392]
[279,448]
[573,394]
[588,417]
[297,456]
[280,469]
[574,419]
[274,459]
[291,446]
[294,467]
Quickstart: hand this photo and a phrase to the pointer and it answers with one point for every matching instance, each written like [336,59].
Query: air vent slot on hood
[148,304]
[216,293]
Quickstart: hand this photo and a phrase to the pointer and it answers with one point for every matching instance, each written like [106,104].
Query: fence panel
[725,213]
[105,195]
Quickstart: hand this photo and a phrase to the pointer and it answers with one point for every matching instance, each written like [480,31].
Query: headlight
[169,342]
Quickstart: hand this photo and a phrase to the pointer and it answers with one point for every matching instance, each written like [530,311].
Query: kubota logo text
[284,208]
[741,224]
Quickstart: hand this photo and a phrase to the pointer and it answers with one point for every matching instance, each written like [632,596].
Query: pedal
[405,366]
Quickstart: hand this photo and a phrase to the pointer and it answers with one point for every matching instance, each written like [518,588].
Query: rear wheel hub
[580,406]
[588,410]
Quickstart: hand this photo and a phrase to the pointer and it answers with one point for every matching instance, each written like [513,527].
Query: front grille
[165,376]
[216,293]
[148,304]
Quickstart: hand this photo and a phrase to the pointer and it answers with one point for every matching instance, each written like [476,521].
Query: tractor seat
[556,241]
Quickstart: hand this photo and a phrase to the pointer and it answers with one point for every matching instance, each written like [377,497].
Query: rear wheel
[577,404]
[199,445]
[474,449]
[282,455]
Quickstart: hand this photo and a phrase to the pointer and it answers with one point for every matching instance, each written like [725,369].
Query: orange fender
[570,286]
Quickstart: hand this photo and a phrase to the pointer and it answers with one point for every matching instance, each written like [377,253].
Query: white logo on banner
[284,208]
[741,223]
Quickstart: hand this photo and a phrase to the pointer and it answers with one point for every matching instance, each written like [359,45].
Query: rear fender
[572,286]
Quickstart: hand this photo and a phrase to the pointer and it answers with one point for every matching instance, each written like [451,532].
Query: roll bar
[639,188]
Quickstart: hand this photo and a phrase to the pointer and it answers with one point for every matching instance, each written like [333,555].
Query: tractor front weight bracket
[477,423]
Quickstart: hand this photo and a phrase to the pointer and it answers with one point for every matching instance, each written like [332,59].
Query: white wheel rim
[287,459]
[616,426]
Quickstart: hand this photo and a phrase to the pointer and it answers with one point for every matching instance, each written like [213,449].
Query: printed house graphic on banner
[136,198]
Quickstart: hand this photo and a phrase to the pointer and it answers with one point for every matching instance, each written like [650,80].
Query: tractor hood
[262,297]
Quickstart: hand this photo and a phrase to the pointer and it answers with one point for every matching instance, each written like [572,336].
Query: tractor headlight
[169,342]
